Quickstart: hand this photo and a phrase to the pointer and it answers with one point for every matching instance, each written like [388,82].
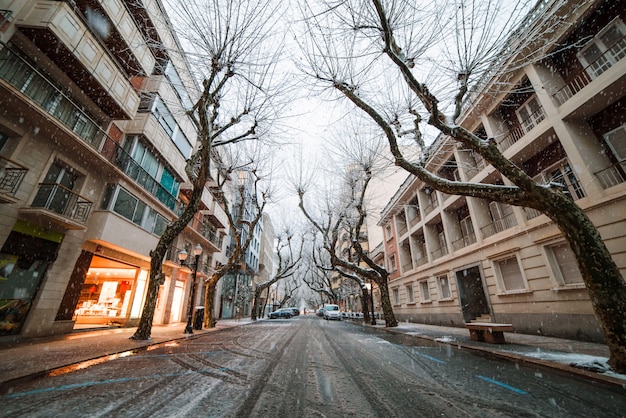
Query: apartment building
[237,285]
[93,145]
[562,118]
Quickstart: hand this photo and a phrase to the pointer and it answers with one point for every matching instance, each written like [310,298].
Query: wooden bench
[488,332]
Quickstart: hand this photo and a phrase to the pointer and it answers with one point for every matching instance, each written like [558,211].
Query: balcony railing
[11,176]
[402,228]
[583,78]
[204,228]
[612,176]
[509,139]
[531,213]
[439,252]
[59,199]
[464,242]
[500,225]
[420,261]
[25,78]
[433,204]
[533,119]
[407,266]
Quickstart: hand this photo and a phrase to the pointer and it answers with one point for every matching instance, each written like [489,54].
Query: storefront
[24,258]
[108,295]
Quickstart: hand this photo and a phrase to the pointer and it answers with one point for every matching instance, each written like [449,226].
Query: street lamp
[372,302]
[182,257]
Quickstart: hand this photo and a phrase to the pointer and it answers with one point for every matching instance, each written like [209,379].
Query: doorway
[471,293]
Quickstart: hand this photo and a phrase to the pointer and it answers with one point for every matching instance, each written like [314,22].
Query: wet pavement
[29,358]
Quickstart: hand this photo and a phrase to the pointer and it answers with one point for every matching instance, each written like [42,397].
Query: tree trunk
[144,329]
[390,318]
[365,294]
[209,302]
[606,286]
[255,304]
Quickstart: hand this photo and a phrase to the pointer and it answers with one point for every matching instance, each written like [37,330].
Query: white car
[332,312]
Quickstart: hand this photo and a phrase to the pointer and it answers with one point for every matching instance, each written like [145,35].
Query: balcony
[57,204]
[207,231]
[433,204]
[52,101]
[509,139]
[62,35]
[611,176]
[500,225]
[11,176]
[601,64]
[463,242]
[439,252]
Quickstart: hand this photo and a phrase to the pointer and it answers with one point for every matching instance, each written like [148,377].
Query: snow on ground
[581,361]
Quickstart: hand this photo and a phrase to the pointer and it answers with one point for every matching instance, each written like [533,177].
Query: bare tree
[288,261]
[241,229]
[359,48]
[235,68]
[346,224]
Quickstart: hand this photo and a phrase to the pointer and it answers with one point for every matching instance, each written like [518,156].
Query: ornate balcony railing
[11,176]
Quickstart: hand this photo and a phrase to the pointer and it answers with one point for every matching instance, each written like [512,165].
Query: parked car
[332,312]
[295,311]
[281,313]
[320,312]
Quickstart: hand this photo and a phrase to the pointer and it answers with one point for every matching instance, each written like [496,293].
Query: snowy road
[308,367]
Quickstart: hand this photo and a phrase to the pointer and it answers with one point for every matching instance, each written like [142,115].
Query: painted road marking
[504,385]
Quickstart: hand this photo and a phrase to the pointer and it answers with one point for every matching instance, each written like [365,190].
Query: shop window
[605,49]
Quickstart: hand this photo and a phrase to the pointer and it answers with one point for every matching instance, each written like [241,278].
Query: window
[3,140]
[530,114]
[602,52]
[444,287]
[425,291]
[388,231]
[563,263]
[55,192]
[167,121]
[561,173]
[148,170]
[392,262]
[616,139]
[409,293]
[120,201]
[509,275]
[396,296]
[177,84]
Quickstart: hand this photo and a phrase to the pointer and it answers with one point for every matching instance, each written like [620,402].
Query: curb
[597,377]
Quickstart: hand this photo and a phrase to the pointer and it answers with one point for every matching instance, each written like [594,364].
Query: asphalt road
[308,367]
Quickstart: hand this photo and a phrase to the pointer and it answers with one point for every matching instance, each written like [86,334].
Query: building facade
[93,145]
[562,118]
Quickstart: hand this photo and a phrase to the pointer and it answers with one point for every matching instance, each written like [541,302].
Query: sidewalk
[36,357]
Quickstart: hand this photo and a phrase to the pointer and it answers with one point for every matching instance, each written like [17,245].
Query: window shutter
[567,264]
[511,274]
